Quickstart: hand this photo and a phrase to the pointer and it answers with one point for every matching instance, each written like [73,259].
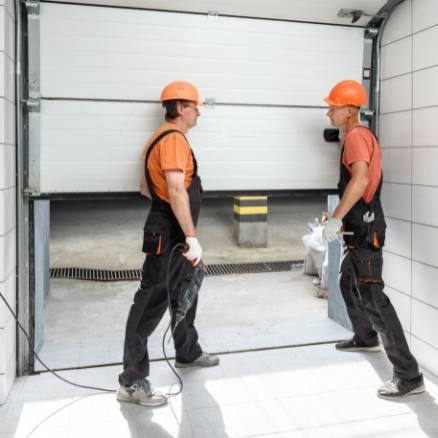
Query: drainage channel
[212,270]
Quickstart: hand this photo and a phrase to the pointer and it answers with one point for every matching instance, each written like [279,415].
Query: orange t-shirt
[171,153]
[361,145]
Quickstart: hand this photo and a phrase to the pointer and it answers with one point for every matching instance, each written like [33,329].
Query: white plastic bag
[315,250]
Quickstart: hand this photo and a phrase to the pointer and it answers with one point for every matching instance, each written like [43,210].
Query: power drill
[189,291]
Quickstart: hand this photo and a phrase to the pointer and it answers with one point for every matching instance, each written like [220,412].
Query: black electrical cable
[178,245]
[42,363]
[183,246]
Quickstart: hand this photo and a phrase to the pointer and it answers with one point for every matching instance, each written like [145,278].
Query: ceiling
[322,11]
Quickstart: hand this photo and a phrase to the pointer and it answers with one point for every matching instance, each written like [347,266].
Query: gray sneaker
[397,388]
[142,393]
[204,360]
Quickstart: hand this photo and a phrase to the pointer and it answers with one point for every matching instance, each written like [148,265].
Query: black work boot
[354,345]
[397,388]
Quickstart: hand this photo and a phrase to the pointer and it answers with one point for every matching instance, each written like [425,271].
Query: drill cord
[169,264]
[95,388]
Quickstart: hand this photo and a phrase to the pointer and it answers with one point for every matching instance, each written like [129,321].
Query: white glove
[331,230]
[194,252]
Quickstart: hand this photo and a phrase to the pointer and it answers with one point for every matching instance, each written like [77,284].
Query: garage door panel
[124,54]
[102,69]
[88,177]
[238,148]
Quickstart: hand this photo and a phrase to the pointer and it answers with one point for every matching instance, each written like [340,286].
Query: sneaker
[204,360]
[142,393]
[397,388]
[353,345]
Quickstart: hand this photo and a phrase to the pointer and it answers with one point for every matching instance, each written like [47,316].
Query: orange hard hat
[180,90]
[347,93]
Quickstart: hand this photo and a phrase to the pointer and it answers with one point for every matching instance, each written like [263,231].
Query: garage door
[103,68]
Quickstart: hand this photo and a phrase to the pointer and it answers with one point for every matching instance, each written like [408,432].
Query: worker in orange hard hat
[359,218]
[172,182]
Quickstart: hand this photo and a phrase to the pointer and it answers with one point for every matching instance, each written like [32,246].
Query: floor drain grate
[212,270]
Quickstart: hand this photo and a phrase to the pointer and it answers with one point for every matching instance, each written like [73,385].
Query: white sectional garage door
[102,71]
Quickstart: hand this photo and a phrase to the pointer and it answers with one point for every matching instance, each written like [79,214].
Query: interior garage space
[84,321]
[88,80]
[99,76]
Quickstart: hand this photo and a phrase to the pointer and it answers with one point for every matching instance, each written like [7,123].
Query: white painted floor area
[306,392]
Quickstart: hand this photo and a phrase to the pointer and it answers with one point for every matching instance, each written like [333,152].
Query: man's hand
[331,230]
[194,252]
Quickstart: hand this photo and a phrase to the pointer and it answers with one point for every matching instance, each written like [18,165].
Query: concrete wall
[7,196]
[409,137]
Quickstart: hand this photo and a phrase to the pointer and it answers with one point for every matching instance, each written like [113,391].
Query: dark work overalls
[161,233]
[361,283]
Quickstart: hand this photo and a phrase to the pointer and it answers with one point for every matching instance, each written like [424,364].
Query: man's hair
[171,110]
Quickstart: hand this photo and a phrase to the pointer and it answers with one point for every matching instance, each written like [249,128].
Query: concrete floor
[85,321]
[306,392]
[107,234]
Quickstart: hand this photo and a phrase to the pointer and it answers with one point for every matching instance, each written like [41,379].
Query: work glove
[331,230]
[194,253]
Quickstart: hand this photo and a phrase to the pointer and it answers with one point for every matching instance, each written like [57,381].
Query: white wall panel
[401,304]
[395,129]
[397,272]
[8,290]
[396,165]
[10,7]
[423,145]
[7,35]
[7,210]
[94,146]
[425,53]
[396,58]
[7,254]
[399,23]
[425,323]
[425,132]
[9,78]
[396,94]
[398,237]
[89,52]
[7,200]
[424,14]
[424,283]
[424,244]
[7,358]
[425,354]
[7,166]
[424,166]
[425,91]
[396,200]
[425,205]
[7,121]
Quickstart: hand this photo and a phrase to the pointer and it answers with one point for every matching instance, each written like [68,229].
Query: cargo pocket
[153,239]
[368,265]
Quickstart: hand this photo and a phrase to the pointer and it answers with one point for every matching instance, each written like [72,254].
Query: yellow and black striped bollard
[251,221]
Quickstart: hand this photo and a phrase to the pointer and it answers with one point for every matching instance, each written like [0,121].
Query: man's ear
[179,108]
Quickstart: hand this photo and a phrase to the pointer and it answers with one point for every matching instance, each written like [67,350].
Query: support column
[41,271]
[337,309]
[251,221]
